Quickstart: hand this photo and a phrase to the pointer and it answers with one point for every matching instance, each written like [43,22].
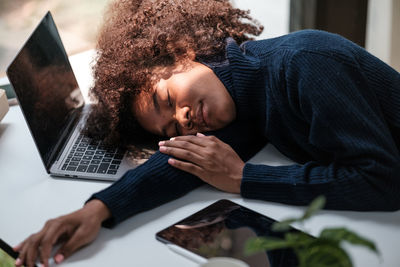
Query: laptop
[55,111]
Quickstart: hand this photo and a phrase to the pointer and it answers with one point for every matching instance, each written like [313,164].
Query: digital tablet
[7,255]
[221,230]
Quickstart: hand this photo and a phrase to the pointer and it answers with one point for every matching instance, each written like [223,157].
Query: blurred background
[374,24]
[76,20]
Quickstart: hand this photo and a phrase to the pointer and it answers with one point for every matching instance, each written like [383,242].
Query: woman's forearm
[148,186]
[98,209]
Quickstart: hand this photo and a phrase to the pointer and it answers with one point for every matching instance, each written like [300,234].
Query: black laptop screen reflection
[46,87]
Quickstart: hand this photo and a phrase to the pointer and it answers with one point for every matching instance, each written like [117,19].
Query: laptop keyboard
[92,156]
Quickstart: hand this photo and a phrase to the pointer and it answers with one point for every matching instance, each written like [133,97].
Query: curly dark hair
[138,36]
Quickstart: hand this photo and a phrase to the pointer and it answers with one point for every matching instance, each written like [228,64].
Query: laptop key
[92,168]
[97,157]
[85,162]
[100,152]
[106,160]
[89,153]
[73,163]
[109,155]
[118,156]
[64,167]
[76,159]
[71,168]
[102,168]
[81,149]
[114,167]
[87,157]
[78,154]
[91,147]
[81,168]
[95,161]
[111,172]
[111,150]
[116,162]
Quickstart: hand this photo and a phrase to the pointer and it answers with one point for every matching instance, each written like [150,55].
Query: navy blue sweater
[322,101]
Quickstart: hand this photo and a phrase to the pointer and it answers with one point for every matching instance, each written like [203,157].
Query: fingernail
[200,134]
[161,143]
[172,138]
[18,261]
[59,258]
[163,148]
[171,161]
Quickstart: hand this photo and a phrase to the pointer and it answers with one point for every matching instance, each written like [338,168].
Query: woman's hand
[74,230]
[207,157]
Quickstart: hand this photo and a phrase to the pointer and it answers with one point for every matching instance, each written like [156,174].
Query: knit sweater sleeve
[345,121]
[149,185]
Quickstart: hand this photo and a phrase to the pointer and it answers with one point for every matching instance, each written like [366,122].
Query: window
[77,21]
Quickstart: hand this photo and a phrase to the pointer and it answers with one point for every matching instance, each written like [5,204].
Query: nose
[183,117]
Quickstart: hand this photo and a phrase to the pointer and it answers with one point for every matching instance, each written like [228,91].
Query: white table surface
[29,197]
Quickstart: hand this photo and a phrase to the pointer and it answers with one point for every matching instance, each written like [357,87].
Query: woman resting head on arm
[147,55]
[321,100]
[147,79]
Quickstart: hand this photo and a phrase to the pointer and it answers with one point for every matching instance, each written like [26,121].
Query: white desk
[28,197]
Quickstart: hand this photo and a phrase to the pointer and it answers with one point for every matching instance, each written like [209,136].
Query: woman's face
[188,99]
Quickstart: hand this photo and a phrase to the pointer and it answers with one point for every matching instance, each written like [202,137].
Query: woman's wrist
[97,208]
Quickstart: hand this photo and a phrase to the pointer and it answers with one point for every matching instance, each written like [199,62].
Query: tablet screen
[7,255]
[6,260]
[222,229]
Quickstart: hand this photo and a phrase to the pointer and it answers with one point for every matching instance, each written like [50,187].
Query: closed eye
[169,99]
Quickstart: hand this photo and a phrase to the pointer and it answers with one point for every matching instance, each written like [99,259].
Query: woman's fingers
[181,144]
[78,228]
[187,167]
[190,147]
[199,139]
[83,235]
[21,257]
[31,255]
[183,153]
[18,248]
[54,231]
[39,244]
[207,157]
[28,254]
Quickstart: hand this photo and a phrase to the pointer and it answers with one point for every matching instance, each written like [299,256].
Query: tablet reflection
[222,230]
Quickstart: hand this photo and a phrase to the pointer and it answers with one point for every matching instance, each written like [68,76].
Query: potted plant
[324,250]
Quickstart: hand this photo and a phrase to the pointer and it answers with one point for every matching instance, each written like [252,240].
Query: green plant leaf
[342,234]
[316,205]
[257,244]
[323,253]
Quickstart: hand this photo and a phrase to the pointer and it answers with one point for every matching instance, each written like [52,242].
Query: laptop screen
[46,87]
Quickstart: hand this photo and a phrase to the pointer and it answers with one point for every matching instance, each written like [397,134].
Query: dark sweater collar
[243,77]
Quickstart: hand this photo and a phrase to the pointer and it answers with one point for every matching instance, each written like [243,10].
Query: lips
[200,115]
